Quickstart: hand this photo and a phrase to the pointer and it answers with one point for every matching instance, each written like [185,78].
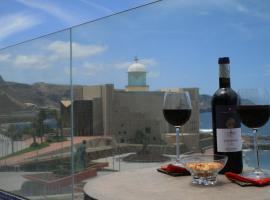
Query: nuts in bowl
[204,168]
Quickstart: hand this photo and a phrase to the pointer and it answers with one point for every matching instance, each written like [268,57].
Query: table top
[149,184]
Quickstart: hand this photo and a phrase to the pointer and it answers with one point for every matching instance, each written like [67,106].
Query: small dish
[204,168]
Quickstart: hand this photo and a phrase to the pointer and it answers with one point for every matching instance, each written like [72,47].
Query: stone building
[83,117]
[65,109]
[124,113]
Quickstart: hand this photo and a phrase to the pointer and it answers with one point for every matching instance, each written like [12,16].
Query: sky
[22,20]
[178,41]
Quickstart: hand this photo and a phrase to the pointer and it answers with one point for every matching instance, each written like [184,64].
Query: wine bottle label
[228,129]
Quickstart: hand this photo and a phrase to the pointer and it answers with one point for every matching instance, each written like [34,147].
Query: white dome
[136,67]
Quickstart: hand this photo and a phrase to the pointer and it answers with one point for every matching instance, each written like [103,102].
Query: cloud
[122,65]
[91,69]
[52,9]
[52,54]
[14,23]
[242,8]
[267,67]
[87,69]
[154,74]
[62,49]
[4,57]
[251,8]
[59,48]
[147,62]
[242,28]
[97,6]
[31,62]
[203,13]
[80,50]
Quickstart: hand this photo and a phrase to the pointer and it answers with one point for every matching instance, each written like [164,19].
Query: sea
[206,123]
[248,154]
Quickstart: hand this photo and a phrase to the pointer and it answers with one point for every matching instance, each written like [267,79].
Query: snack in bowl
[204,168]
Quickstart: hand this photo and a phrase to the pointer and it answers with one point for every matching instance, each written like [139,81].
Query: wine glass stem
[256,147]
[177,143]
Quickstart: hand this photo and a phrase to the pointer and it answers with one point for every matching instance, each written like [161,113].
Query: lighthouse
[137,77]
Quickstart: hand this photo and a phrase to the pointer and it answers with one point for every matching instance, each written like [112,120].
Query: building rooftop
[136,66]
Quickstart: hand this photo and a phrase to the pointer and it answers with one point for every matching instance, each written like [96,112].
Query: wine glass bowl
[177,108]
[254,112]
[253,116]
[204,168]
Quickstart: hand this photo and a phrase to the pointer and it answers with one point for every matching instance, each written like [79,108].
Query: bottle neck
[224,76]
[224,82]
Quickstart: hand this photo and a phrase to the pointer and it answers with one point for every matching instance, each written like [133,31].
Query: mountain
[9,104]
[16,96]
[205,103]
[2,81]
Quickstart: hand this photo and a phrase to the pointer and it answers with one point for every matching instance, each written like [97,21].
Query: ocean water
[248,154]
[249,159]
[206,123]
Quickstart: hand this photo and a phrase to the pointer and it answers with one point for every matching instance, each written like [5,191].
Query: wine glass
[177,111]
[254,111]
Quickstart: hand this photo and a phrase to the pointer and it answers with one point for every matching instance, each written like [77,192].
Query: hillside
[14,96]
[9,104]
[205,103]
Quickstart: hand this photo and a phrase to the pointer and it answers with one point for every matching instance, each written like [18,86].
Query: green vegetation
[39,129]
[33,147]
[36,146]
[2,93]
[14,135]
[53,139]
[142,138]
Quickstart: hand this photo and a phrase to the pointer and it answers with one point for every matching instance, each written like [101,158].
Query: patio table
[148,184]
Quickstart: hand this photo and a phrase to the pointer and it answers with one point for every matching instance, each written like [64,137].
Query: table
[148,184]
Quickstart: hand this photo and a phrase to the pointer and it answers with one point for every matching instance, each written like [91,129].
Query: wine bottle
[226,122]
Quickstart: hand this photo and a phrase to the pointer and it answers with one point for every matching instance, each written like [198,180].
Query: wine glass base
[177,163]
[256,174]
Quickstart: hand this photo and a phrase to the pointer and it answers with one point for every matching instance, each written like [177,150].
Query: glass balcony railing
[87,101]
[35,147]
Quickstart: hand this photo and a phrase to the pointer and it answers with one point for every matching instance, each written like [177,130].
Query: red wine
[226,122]
[254,116]
[177,117]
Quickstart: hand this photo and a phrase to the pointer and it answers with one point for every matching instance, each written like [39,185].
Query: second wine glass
[177,111]
[254,111]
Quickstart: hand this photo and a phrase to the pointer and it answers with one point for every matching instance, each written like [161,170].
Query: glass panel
[35,136]
[120,78]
